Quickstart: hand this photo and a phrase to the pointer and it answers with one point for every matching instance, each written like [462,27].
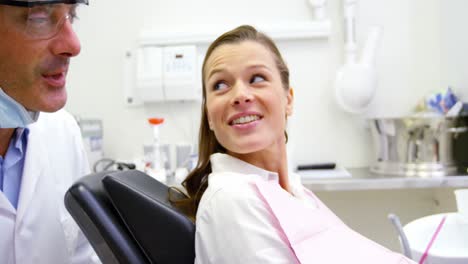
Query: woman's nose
[242,94]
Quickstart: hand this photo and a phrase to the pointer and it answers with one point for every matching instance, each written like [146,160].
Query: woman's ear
[289,101]
[210,125]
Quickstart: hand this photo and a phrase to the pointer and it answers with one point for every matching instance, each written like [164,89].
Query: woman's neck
[272,159]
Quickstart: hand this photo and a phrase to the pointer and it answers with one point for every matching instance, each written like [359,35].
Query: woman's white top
[245,216]
[233,223]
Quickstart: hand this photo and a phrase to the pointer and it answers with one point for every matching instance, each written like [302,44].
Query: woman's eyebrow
[259,66]
[214,71]
[250,67]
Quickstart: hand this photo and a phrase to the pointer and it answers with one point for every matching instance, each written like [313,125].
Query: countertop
[363,179]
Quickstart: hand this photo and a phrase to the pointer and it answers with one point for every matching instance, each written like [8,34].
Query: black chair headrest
[89,205]
[164,233]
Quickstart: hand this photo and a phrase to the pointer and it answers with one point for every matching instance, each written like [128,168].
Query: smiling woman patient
[248,207]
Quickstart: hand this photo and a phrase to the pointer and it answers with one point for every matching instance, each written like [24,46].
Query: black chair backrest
[91,208]
[127,218]
[164,233]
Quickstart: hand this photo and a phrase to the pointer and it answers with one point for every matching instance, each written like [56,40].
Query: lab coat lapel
[34,165]
[5,206]
[7,229]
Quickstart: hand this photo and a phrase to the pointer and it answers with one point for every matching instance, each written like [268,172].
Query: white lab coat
[41,231]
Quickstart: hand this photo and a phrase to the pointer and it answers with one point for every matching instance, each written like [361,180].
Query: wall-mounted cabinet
[166,65]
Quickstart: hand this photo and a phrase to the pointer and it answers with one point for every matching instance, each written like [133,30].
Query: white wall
[454,43]
[408,68]
[408,65]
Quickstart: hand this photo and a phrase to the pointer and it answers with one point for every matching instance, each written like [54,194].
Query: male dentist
[41,153]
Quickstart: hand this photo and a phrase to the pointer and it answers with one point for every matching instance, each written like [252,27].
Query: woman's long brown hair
[197,180]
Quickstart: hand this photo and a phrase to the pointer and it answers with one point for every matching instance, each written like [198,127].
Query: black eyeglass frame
[45,2]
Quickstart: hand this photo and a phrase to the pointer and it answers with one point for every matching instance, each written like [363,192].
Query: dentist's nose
[66,42]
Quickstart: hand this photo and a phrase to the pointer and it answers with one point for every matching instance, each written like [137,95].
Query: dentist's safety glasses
[31,3]
[39,19]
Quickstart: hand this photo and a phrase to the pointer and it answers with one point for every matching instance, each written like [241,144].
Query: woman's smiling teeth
[245,119]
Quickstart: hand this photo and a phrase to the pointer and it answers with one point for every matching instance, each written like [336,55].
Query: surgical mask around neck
[13,114]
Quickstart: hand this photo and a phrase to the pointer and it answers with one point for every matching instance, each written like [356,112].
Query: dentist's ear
[290,100]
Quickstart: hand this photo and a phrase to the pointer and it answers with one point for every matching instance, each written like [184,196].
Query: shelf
[199,34]
[363,179]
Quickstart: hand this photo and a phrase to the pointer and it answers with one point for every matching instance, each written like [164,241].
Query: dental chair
[128,219]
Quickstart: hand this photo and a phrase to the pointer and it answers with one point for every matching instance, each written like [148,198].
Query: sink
[450,246]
